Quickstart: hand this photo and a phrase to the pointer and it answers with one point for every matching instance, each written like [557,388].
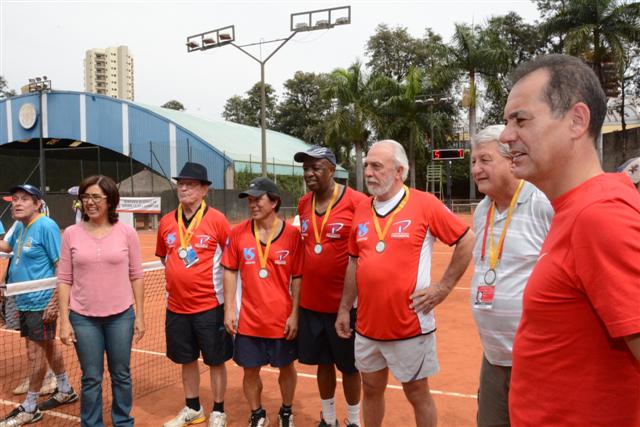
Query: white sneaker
[187,417]
[22,388]
[217,419]
[49,384]
[20,416]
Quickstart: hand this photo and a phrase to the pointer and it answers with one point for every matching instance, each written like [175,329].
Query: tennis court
[158,389]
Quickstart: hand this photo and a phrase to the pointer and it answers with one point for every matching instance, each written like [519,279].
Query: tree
[303,110]
[5,92]
[596,31]
[173,105]
[246,110]
[353,92]
[393,52]
[472,57]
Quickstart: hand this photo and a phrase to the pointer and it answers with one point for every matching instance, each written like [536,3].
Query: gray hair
[399,156]
[491,134]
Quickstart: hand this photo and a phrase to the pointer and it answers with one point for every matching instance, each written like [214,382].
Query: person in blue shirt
[35,244]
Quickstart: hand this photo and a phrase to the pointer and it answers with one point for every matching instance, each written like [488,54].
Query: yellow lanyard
[398,208]
[186,238]
[262,257]
[316,232]
[22,232]
[495,255]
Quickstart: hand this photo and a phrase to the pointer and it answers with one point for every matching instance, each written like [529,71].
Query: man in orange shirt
[577,349]
[325,223]
[190,243]
[389,272]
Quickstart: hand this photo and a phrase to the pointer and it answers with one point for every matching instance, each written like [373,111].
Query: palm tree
[353,92]
[596,30]
[473,57]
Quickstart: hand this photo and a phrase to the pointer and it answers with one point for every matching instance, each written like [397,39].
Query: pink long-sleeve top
[100,270]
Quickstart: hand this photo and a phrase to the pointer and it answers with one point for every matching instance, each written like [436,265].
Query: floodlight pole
[263,96]
[220,37]
[41,85]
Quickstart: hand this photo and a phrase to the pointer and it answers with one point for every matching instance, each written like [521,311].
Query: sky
[51,37]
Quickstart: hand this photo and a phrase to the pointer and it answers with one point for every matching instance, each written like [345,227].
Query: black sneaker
[20,416]
[58,399]
[259,419]
[323,423]
[285,419]
[348,424]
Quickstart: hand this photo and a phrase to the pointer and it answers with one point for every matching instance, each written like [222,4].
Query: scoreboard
[447,154]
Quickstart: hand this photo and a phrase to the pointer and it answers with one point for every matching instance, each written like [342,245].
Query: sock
[285,409]
[193,403]
[31,402]
[353,414]
[218,406]
[329,410]
[63,383]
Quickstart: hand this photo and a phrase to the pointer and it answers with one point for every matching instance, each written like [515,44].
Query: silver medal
[263,273]
[380,246]
[317,249]
[182,253]
[490,277]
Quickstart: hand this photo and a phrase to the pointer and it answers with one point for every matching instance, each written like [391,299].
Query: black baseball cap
[27,188]
[316,152]
[260,186]
[195,171]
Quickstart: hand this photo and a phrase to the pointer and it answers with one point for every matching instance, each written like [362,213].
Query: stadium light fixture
[321,19]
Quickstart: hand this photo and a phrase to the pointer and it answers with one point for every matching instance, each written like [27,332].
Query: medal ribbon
[262,257]
[398,208]
[23,231]
[318,233]
[186,238]
[495,255]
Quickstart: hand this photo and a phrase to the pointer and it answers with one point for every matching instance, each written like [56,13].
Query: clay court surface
[454,388]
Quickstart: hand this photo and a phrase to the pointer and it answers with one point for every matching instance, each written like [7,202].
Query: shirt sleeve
[51,241]
[135,256]
[12,235]
[65,265]
[606,241]
[230,253]
[298,254]
[161,248]
[443,223]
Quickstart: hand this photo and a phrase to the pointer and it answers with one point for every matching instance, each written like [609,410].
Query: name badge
[484,296]
[191,257]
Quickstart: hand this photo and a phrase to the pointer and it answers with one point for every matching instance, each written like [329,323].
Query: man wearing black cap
[36,250]
[325,223]
[266,253]
[190,243]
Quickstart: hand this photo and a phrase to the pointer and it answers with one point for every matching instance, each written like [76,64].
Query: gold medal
[381,245]
[264,256]
[317,249]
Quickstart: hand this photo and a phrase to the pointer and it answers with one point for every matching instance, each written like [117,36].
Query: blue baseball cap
[316,152]
[27,188]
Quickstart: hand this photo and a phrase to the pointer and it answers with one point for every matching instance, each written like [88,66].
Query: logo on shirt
[171,239]
[304,226]
[362,232]
[202,241]
[249,255]
[334,229]
[281,257]
[399,229]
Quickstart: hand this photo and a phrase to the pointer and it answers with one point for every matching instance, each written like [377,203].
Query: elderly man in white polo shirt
[510,224]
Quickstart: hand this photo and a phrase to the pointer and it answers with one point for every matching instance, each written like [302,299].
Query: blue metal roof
[161,138]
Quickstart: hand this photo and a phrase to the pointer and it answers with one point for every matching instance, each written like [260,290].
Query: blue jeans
[94,336]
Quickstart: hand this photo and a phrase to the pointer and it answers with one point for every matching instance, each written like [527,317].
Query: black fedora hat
[195,171]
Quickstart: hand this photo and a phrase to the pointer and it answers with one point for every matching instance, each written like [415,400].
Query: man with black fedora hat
[326,213]
[190,243]
[265,254]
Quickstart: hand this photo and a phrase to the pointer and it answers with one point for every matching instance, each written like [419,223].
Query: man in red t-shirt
[389,271]
[325,223]
[263,268]
[577,349]
[190,243]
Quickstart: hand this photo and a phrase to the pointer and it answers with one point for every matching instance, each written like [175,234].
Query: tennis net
[150,368]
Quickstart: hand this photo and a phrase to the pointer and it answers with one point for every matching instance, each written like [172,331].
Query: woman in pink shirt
[99,278]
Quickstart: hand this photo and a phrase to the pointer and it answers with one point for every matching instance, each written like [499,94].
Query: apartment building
[109,72]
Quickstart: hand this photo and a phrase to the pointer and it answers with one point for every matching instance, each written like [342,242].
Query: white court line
[52,413]
[303,375]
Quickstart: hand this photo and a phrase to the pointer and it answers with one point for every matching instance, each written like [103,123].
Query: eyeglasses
[95,198]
